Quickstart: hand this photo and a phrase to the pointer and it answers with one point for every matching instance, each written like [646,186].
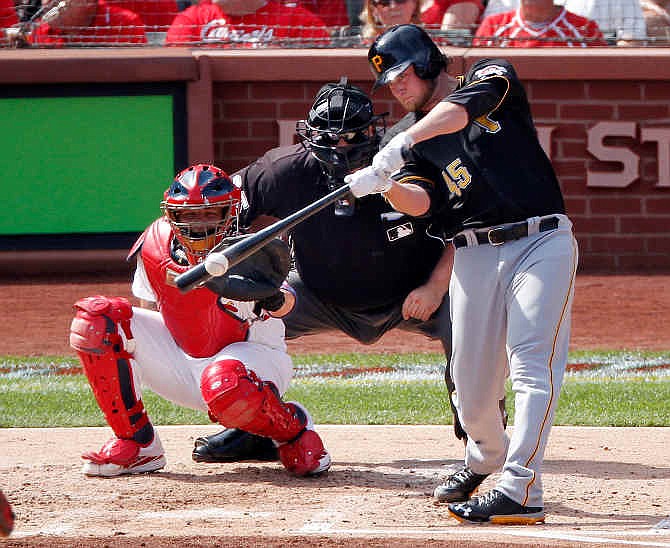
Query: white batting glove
[392,157]
[367,181]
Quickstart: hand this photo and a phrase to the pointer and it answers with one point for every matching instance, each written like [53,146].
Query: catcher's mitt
[257,277]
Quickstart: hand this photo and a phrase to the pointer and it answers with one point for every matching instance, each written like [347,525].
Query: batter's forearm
[408,198]
[445,117]
[441,275]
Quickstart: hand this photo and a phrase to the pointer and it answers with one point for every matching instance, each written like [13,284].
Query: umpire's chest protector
[196,320]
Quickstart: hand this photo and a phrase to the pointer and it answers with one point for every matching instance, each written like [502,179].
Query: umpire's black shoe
[459,486]
[496,507]
[233,445]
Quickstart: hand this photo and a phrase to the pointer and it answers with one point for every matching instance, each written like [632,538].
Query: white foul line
[312,528]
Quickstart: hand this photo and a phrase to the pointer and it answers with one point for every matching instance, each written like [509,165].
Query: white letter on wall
[630,161]
[661,136]
[544,136]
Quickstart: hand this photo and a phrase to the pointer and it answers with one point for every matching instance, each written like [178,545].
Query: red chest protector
[195,320]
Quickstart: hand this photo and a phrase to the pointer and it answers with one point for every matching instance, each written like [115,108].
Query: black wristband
[271,303]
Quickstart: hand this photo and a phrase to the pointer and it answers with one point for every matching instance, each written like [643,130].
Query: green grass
[49,400]
[636,402]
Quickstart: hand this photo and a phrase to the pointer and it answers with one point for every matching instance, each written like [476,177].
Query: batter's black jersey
[494,170]
[370,259]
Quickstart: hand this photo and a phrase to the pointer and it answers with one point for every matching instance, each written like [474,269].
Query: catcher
[219,349]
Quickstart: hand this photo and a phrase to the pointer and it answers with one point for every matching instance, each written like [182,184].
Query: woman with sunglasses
[378,15]
[438,15]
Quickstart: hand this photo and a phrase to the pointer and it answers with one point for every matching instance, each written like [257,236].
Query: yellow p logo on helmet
[377,62]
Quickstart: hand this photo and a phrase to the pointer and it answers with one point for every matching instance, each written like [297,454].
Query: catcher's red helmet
[202,206]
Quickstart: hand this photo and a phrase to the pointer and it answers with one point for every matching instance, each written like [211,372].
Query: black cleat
[233,445]
[459,486]
[496,507]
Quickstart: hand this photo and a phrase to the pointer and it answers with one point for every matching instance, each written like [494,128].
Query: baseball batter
[219,349]
[514,268]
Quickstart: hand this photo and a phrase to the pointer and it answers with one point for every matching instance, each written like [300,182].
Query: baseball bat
[217,263]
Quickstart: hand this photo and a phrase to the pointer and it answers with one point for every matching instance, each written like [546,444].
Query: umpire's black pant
[311,316]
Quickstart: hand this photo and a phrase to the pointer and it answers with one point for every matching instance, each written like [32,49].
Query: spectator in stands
[157,15]
[378,15]
[246,23]
[621,19]
[449,15]
[86,23]
[79,22]
[333,13]
[8,16]
[538,23]
[657,19]
[436,15]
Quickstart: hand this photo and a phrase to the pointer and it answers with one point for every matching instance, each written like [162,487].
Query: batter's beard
[418,104]
[421,103]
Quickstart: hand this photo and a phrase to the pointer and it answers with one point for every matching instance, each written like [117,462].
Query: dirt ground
[603,486]
[609,312]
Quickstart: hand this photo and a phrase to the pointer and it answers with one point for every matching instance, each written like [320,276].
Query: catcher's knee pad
[237,398]
[94,334]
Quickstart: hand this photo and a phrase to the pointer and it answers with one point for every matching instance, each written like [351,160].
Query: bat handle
[192,278]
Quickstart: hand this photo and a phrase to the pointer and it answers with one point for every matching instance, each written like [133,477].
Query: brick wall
[603,115]
[618,228]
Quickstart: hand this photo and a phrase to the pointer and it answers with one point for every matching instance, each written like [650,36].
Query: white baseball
[216,264]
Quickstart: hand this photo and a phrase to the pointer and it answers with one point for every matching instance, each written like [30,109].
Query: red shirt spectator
[434,11]
[510,30]
[109,26]
[157,15]
[332,12]
[271,24]
[8,15]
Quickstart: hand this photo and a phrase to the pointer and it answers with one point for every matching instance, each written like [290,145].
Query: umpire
[361,268]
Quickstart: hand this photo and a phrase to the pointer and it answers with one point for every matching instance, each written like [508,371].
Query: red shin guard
[94,334]
[237,398]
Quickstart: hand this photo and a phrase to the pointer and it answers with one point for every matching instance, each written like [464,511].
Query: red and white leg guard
[94,334]
[237,398]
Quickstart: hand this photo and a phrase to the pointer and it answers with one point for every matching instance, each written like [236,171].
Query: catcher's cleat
[459,486]
[118,457]
[234,445]
[496,507]
[6,516]
[306,455]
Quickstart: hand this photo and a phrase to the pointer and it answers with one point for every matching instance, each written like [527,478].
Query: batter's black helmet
[341,129]
[399,47]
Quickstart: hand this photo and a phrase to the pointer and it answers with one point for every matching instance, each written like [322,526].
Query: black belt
[498,235]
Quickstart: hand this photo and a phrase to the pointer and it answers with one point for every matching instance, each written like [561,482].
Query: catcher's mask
[202,206]
[341,130]
[400,46]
